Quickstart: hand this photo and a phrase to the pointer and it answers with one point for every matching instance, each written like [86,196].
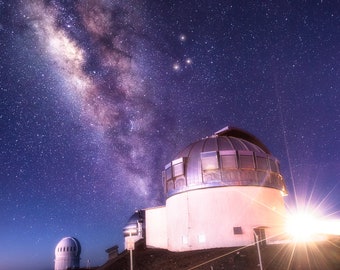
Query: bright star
[176,66]
[182,38]
[188,61]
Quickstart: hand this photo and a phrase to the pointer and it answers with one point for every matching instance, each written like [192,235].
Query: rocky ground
[325,256]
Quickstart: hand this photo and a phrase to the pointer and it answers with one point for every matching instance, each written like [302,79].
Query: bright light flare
[305,227]
[301,227]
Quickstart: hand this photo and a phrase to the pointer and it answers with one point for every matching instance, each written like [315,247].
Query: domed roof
[230,157]
[68,246]
[132,224]
[224,140]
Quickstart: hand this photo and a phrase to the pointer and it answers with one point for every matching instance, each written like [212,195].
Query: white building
[220,192]
[67,254]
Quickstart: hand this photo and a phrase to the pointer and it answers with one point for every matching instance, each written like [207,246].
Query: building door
[261,234]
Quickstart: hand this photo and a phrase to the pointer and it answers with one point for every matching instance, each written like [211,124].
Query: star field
[98,96]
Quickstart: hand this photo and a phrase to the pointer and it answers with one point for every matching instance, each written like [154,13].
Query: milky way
[101,76]
[98,96]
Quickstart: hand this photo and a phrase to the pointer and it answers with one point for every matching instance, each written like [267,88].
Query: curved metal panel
[223,159]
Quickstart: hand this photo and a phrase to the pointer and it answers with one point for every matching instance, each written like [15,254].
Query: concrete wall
[156,227]
[206,218]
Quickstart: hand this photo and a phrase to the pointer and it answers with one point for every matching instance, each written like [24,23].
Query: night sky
[98,96]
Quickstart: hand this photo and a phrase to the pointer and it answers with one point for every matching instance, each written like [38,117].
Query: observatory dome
[135,225]
[230,157]
[68,246]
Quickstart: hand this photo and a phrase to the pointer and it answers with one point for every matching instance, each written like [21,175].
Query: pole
[258,249]
[131,248]
[131,261]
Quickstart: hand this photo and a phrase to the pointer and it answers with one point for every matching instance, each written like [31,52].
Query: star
[188,61]
[182,37]
[176,66]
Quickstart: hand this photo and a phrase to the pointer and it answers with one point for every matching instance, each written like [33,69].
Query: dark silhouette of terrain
[311,256]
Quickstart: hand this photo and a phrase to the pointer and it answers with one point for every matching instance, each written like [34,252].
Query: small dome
[230,157]
[132,226]
[68,246]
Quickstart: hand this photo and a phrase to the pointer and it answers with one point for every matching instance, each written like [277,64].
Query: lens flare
[306,227]
[301,227]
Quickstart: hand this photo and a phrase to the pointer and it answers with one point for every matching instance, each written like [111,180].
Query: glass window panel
[275,181]
[262,177]
[170,185]
[209,160]
[231,177]
[248,177]
[163,178]
[178,169]
[229,162]
[246,161]
[273,165]
[180,183]
[211,176]
[262,163]
[177,161]
[168,172]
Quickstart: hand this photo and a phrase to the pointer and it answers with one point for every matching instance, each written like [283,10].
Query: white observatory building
[67,254]
[221,191]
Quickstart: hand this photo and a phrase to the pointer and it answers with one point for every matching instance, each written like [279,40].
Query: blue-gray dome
[135,224]
[230,157]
